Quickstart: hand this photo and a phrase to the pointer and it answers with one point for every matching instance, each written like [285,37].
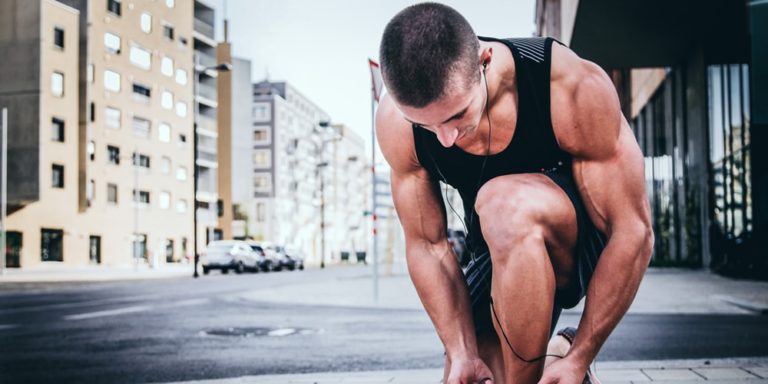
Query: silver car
[227,255]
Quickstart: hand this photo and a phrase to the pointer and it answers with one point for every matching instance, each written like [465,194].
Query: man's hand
[469,370]
[564,371]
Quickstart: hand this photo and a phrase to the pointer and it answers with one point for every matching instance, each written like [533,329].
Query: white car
[227,255]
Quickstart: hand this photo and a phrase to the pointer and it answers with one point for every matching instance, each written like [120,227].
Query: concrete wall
[242,136]
[20,84]
[224,142]
[56,207]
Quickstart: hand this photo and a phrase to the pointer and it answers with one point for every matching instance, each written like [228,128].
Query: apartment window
[170,3]
[112,43]
[91,150]
[57,129]
[168,31]
[140,160]
[140,57]
[181,109]
[146,22]
[57,176]
[182,41]
[112,193]
[90,191]
[166,100]
[181,76]
[262,183]
[58,37]
[89,73]
[261,135]
[92,112]
[181,206]
[261,212]
[165,165]
[51,244]
[261,112]
[262,158]
[164,200]
[141,197]
[141,127]
[166,66]
[164,132]
[112,117]
[141,91]
[111,81]
[181,173]
[113,154]
[57,84]
[114,7]
[182,139]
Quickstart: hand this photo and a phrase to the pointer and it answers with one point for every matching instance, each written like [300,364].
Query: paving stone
[724,373]
[760,371]
[613,375]
[672,374]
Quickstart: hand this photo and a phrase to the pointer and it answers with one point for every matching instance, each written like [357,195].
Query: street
[217,326]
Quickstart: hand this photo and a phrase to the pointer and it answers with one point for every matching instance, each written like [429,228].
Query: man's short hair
[423,47]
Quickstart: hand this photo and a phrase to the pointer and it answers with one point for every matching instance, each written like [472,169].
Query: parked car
[289,258]
[268,260]
[226,255]
[458,240]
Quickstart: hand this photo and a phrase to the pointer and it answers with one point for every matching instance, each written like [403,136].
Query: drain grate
[259,331]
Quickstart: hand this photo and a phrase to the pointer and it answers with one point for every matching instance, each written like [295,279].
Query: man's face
[454,117]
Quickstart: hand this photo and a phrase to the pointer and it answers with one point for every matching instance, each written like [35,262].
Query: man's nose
[447,135]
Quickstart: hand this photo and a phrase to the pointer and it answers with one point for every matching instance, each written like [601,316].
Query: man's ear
[486,54]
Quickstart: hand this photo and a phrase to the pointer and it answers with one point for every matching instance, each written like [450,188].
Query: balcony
[207,124]
[204,60]
[204,28]
[206,90]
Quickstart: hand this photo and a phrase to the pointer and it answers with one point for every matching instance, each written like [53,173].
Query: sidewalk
[725,371]
[663,291]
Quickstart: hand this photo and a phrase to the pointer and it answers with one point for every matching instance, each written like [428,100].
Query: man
[552,181]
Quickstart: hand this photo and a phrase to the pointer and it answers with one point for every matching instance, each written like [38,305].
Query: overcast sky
[322,47]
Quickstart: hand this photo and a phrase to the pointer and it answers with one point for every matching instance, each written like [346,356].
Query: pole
[322,214]
[195,255]
[373,203]
[4,191]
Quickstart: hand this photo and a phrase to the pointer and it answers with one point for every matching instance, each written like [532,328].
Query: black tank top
[533,147]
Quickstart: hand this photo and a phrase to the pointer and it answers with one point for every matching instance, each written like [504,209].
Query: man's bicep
[419,206]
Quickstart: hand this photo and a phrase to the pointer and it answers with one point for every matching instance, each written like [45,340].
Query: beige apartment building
[101,127]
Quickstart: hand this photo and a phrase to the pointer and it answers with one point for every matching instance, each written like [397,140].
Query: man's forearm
[611,291]
[442,290]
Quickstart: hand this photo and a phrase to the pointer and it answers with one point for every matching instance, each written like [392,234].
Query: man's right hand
[469,370]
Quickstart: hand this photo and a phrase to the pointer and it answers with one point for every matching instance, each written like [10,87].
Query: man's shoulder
[583,96]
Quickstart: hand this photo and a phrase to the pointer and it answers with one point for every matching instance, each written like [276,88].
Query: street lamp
[223,67]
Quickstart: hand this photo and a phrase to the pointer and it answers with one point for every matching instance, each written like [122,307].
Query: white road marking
[113,312]
[134,309]
[76,304]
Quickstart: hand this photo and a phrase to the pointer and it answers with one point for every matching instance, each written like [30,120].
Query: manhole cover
[260,331]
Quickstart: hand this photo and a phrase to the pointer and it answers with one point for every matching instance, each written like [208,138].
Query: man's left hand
[564,371]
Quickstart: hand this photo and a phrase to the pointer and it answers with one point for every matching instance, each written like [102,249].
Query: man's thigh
[511,206]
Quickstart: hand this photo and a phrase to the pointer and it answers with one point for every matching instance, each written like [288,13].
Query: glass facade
[729,155]
[675,197]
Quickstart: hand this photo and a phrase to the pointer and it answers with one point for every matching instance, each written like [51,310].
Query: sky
[321,47]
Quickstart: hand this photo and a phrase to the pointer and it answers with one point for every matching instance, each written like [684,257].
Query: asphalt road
[185,329]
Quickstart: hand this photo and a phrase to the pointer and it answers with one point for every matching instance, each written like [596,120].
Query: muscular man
[552,181]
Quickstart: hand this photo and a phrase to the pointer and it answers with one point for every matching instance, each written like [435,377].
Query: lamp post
[223,67]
